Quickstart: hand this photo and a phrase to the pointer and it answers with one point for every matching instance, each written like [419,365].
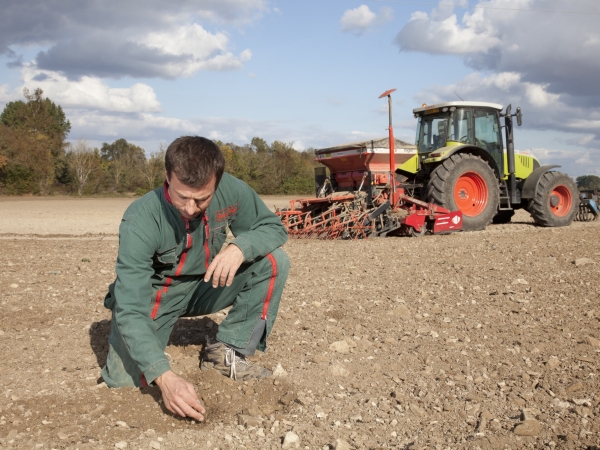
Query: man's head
[195,160]
[194,166]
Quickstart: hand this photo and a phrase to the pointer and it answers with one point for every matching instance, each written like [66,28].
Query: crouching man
[170,265]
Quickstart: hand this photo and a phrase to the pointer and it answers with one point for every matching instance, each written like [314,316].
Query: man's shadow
[187,331]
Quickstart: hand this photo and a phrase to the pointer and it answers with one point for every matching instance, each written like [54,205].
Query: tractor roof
[458,105]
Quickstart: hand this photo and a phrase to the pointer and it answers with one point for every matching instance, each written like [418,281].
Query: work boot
[230,363]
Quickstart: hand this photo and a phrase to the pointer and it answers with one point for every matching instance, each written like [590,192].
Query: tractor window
[418,131]
[460,121]
[487,131]
[487,135]
[432,133]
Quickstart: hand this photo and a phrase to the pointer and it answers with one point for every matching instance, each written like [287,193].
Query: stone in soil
[340,347]
[339,370]
[530,427]
[291,440]
[553,362]
[583,261]
[279,371]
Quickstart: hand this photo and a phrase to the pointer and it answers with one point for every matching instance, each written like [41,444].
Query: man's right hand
[180,396]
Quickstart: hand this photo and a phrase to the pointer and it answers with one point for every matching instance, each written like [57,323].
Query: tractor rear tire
[466,183]
[556,201]
[503,216]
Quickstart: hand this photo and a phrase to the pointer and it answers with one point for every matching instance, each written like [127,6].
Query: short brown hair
[194,160]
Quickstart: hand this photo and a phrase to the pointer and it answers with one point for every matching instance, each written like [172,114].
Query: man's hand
[224,266]
[180,396]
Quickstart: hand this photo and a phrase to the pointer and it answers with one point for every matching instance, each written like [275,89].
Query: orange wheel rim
[560,200]
[471,194]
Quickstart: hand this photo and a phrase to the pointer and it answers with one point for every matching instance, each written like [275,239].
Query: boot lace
[232,358]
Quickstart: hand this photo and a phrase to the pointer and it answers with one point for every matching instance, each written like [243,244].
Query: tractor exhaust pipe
[393,193]
[510,153]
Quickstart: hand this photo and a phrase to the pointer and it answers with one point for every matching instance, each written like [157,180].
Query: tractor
[461,164]
[458,176]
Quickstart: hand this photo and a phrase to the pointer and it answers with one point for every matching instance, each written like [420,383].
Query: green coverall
[160,267]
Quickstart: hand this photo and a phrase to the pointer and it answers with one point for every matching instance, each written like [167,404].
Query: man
[170,264]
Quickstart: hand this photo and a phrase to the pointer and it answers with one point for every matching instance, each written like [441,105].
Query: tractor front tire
[466,183]
[556,201]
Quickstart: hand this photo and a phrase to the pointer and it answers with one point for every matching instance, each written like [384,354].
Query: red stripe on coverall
[207,235]
[271,286]
[160,293]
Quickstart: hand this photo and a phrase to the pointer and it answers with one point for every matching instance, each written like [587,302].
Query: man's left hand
[223,267]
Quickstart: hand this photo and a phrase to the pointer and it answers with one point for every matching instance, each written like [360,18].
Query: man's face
[189,201]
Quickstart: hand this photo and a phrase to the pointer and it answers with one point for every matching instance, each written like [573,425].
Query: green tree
[271,169]
[586,182]
[126,162]
[38,128]
[260,145]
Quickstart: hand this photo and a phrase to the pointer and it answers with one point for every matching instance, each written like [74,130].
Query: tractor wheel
[466,183]
[556,201]
[503,216]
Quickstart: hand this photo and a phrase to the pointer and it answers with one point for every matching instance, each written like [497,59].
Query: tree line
[588,182]
[36,158]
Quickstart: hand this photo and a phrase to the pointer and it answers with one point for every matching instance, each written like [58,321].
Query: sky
[307,72]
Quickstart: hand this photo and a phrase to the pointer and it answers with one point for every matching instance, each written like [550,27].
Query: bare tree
[154,167]
[82,161]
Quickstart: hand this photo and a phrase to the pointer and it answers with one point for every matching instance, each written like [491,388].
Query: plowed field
[473,340]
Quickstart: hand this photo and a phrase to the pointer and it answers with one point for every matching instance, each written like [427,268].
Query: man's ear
[167,177]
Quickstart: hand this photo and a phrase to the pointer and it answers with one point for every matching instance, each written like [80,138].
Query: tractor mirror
[519,117]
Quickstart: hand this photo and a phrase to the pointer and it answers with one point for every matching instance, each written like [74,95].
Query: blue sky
[307,72]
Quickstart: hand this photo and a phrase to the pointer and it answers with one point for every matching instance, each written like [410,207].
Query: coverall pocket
[167,257]
[219,235]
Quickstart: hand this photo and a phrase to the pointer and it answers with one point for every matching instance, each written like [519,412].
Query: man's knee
[282,262]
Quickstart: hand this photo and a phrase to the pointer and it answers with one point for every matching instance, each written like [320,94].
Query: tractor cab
[443,127]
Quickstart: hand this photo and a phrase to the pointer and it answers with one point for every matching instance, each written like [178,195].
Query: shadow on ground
[187,331]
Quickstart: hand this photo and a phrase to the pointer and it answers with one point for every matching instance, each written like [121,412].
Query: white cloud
[195,49]
[538,96]
[585,160]
[5,95]
[111,38]
[87,93]
[362,19]
[573,162]
[422,33]
[558,51]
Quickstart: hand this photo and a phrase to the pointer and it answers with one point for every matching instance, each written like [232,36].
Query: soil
[485,339]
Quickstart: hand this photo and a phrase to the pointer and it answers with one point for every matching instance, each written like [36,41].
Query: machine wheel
[467,183]
[503,216]
[556,201]
[415,233]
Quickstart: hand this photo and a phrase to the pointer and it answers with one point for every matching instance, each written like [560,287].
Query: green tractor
[462,164]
